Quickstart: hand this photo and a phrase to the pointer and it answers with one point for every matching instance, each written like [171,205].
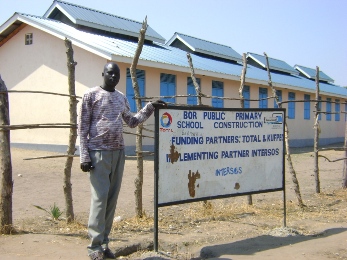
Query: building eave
[8,23]
[96,25]
[115,30]
[59,35]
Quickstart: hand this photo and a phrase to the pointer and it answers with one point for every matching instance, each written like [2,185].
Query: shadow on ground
[251,246]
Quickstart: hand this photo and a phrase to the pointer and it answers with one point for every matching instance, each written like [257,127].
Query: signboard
[205,153]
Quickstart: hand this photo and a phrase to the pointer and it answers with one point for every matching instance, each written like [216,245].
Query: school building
[33,57]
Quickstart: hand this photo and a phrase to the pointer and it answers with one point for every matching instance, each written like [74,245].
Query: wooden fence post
[207,204]
[344,174]
[242,80]
[195,83]
[242,101]
[139,153]
[286,138]
[316,134]
[73,133]
[5,165]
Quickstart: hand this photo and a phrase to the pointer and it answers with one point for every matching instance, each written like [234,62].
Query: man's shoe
[97,255]
[108,254]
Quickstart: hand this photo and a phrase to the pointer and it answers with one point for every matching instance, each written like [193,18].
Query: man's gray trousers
[105,182]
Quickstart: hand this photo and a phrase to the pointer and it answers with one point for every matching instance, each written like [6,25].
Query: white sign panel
[214,153]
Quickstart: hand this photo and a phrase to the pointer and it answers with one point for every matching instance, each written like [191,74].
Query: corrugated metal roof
[206,47]
[311,73]
[274,64]
[100,20]
[157,53]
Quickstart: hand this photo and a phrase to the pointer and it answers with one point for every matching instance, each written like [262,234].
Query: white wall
[42,66]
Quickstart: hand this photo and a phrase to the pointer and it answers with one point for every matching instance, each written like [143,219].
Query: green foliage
[54,211]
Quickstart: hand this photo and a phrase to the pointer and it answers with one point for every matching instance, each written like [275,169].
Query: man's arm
[83,131]
[141,116]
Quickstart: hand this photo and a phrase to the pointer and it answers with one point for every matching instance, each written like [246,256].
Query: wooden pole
[242,101]
[5,165]
[38,92]
[243,79]
[73,133]
[32,126]
[139,157]
[207,204]
[286,138]
[316,134]
[196,85]
[344,174]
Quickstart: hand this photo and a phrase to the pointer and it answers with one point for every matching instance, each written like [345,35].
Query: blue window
[191,91]
[319,108]
[140,74]
[279,95]
[328,109]
[217,91]
[168,87]
[337,110]
[291,105]
[307,107]
[246,95]
[262,97]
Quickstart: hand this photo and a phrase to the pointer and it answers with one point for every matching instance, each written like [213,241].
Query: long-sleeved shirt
[100,123]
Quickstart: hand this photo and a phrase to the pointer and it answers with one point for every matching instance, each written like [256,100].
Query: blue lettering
[228,170]
[230,139]
[187,140]
[189,124]
[198,156]
[265,152]
[251,139]
[189,115]
[222,124]
[249,124]
[234,154]
[214,115]
[248,115]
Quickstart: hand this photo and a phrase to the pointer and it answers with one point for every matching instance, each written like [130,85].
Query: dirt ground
[221,229]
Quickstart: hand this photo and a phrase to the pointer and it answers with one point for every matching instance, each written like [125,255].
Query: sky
[305,32]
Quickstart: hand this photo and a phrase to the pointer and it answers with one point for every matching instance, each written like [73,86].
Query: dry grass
[331,207]
[189,226]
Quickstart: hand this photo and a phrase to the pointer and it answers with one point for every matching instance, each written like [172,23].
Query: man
[102,152]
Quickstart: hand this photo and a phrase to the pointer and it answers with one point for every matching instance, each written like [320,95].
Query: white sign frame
[205,153]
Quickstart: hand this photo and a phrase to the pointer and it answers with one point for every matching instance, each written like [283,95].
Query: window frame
[246,93]
[191,91]
[328,108]
[28,38]
[168,87]
[337,109]
[279,95]
[217,91]
[291,105]
[307,107]
[263,93]
[129,89]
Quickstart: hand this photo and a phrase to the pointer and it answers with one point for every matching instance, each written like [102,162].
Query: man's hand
[87,166]
[159,103]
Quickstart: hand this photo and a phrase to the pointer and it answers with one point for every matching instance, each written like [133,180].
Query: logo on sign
[276,118]
[166,120]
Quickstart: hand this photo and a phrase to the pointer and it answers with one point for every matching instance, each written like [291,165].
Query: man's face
[111,75]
